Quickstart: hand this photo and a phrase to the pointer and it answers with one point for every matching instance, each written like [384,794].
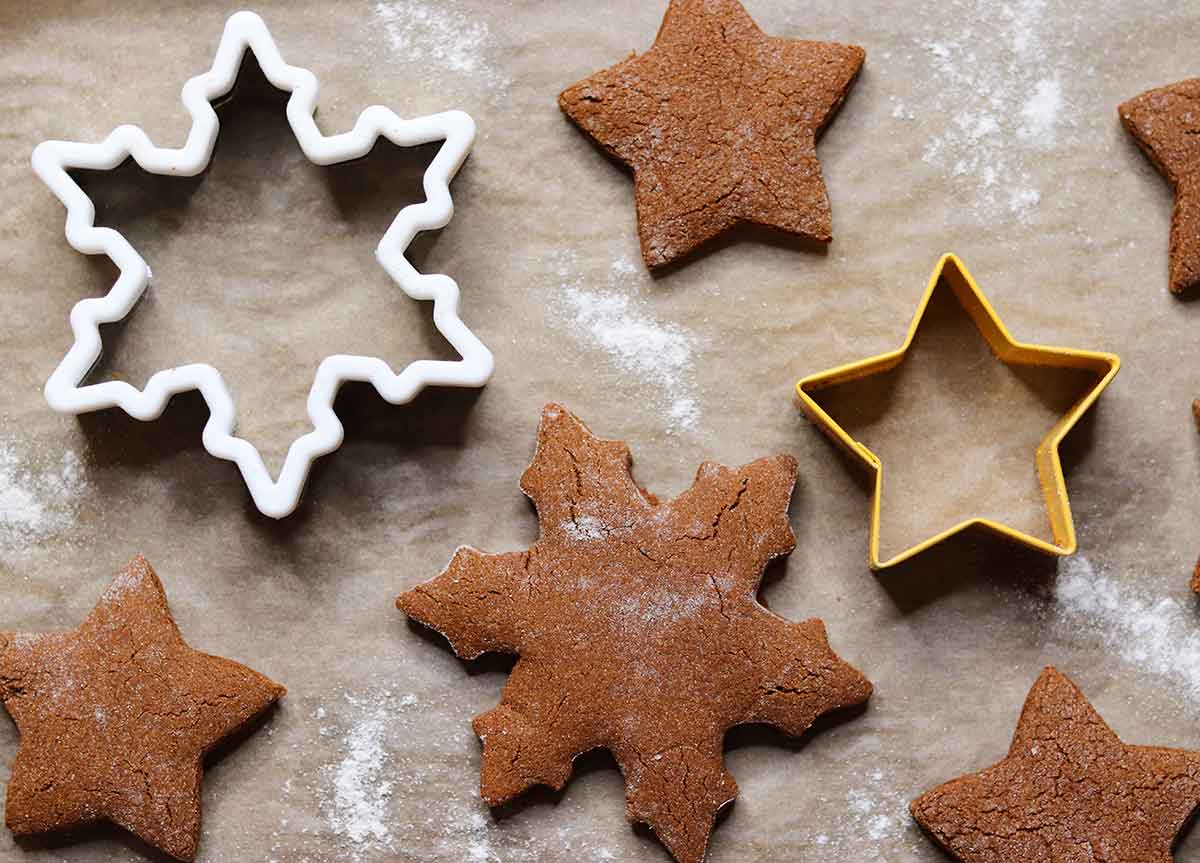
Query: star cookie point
[1165,122]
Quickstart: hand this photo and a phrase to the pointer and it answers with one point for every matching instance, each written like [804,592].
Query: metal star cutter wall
[65,390]
[951,272]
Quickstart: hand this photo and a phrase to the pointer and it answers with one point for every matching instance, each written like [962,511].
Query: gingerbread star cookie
[1069,790]
[638,631]
[719,123]
[1166,124]
[116,716]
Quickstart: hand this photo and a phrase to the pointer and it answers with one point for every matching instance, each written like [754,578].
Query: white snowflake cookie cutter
[53,159]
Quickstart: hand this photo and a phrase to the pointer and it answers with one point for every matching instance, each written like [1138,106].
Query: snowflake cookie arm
[529,739]
[743,510]
[677,791]
[472,603]
[800,677]
[594,490]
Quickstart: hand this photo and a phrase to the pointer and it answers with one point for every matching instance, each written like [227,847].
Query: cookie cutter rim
[1008,351]
[246,31]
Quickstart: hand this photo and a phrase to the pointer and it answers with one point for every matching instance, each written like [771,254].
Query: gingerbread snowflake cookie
[638,630]
[719,124]
[1068,790]
[1166,124]
[115,718]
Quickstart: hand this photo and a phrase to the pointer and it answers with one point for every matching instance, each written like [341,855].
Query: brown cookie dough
[1069,790]
[1196,570]
[719,124]
[115,717]
[1166,124]
[638,630]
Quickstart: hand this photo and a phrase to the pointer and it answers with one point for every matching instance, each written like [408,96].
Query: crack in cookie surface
[1165,122]
[719,123]
[637,629]
[116,716]
[1068,790]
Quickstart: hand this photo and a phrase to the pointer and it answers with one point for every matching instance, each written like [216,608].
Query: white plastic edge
[52,159]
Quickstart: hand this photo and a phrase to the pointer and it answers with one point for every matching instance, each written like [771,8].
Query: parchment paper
[985,129]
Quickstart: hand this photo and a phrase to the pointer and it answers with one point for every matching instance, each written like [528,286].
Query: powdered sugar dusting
[585,528]
[1039,114]
[399,786]
[875,816]
[684,413]
[636,342]
[126,580]
[480,849]
[1157,635]
[19,507]
[437,35]
[660,607]
[35,501]
[656,355]
[996,83]
[359,809]
[623,267]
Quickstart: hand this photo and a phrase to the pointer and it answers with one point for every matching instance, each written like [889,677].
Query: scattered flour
[623,267]
[656,355]
[875,818]
[900,112]
[881,812]
[397,785]
[437,35]
[636,342]
[1040,113]
[19,507]
[1156,635]
[359,809]
[684,413]
[996,83]
[35,502]
[479,850]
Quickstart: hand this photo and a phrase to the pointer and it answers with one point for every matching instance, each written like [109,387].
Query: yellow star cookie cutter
[1009,351]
